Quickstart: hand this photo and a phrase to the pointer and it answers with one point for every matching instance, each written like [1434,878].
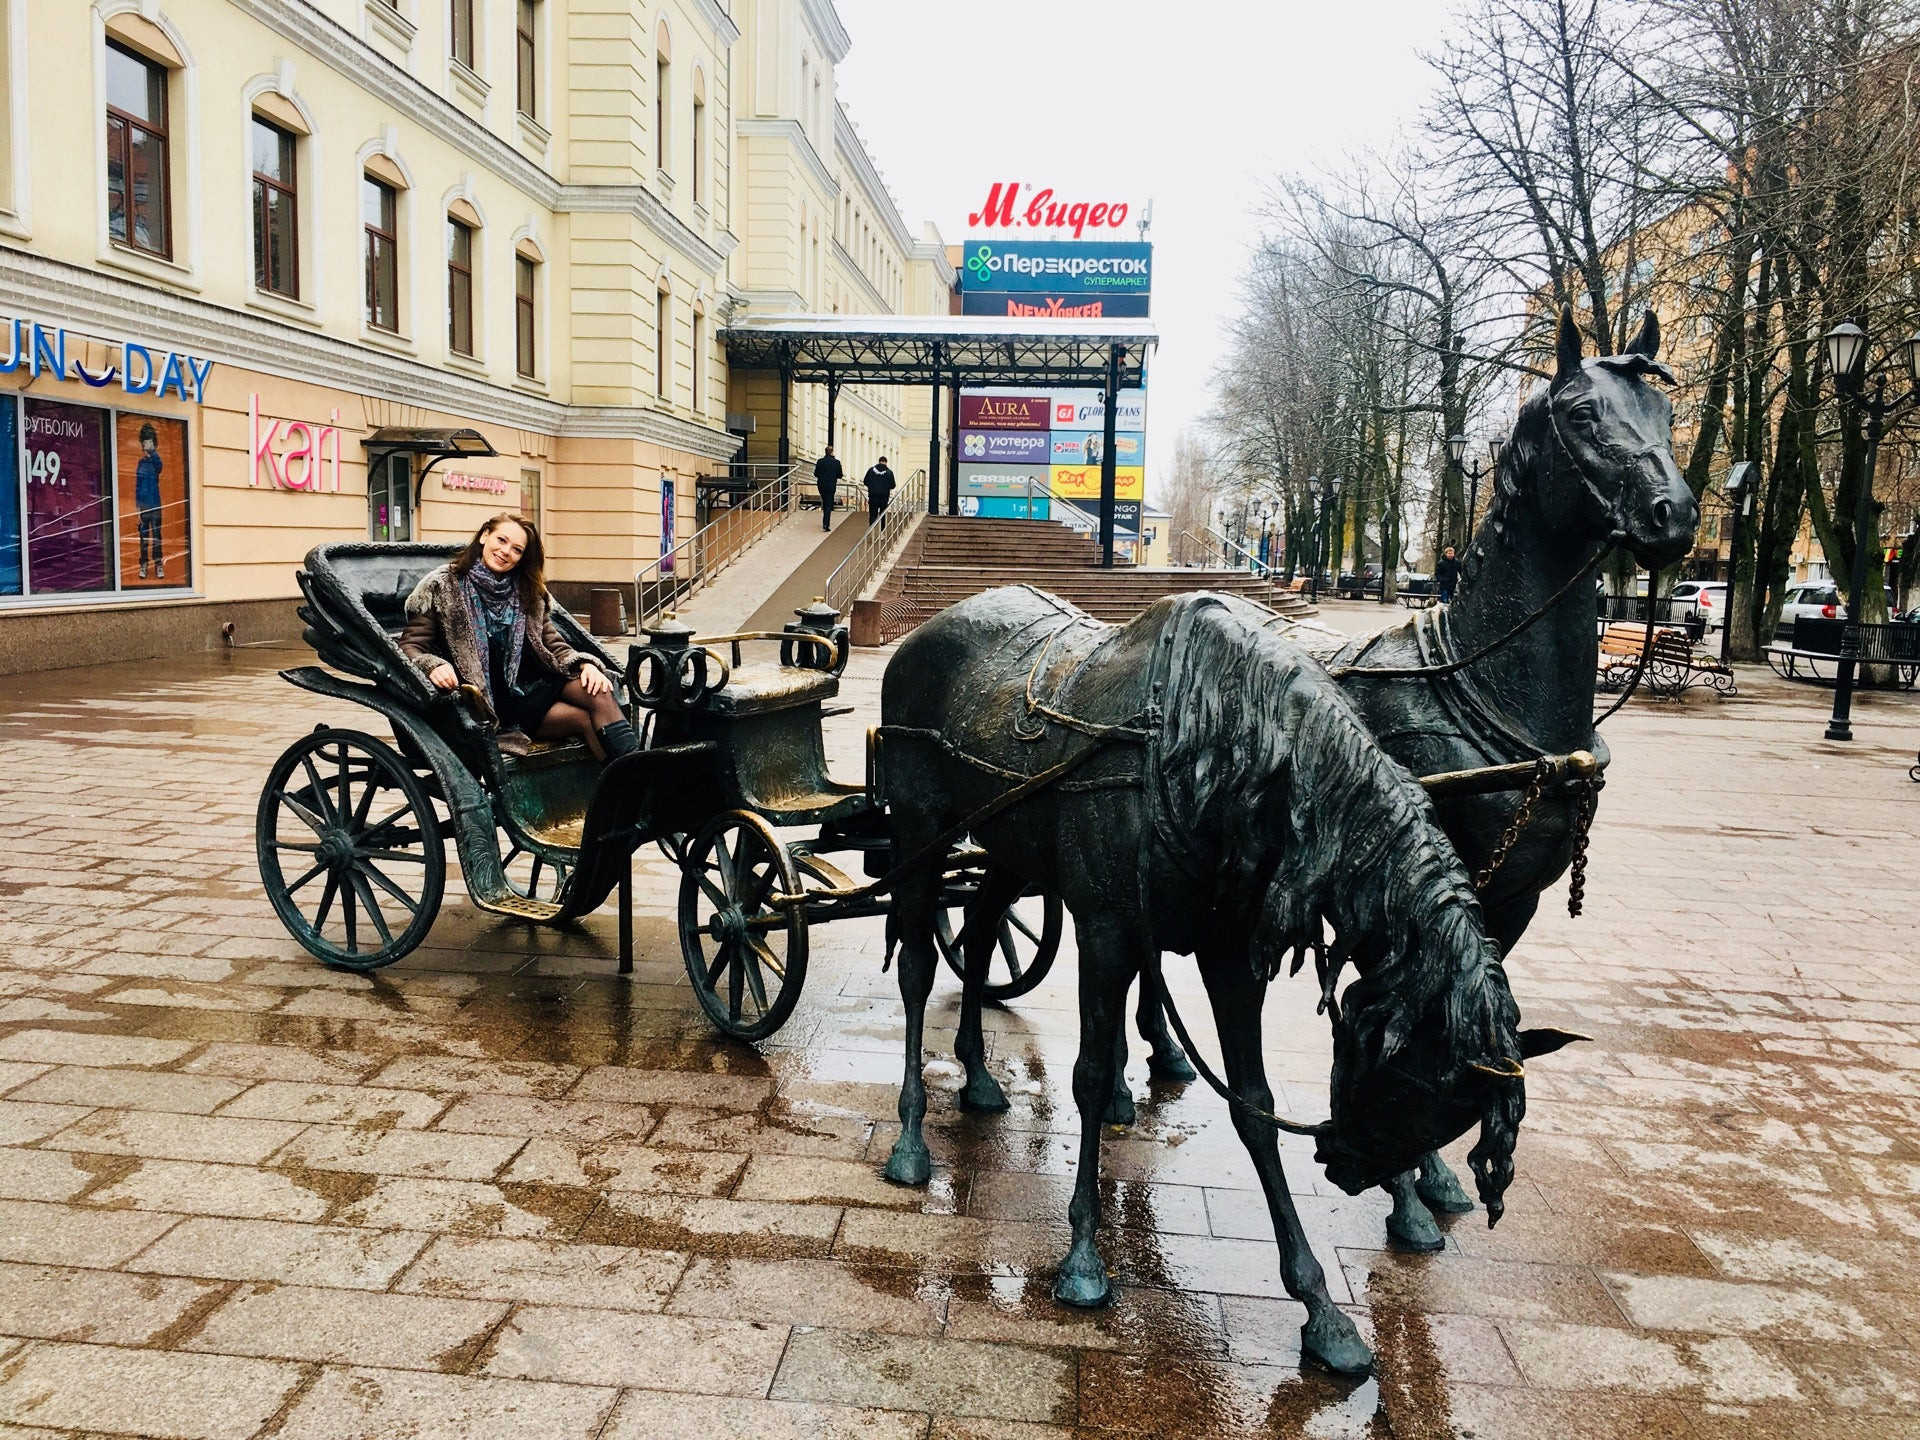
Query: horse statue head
[1593,452]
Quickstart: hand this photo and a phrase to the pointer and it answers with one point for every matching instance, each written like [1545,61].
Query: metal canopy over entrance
[950,351]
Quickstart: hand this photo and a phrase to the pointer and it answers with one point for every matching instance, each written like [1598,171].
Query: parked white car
[1811,599]
[1702,600]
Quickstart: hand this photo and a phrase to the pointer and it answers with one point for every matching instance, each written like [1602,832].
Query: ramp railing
[691,565]
[852,575]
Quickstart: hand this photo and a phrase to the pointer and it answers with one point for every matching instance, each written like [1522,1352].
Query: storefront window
[150,470]
[390,498]
[10,573]
[69,519]
[530,495]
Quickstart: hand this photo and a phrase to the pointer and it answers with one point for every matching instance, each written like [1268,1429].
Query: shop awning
[942,349]
[441,444]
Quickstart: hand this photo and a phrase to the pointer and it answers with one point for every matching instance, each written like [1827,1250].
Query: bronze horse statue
[1193,782]
[1589,466]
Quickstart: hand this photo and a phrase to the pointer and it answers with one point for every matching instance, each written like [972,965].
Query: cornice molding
[795,134]
[718,21]
[853,151]
[824,21]
[878,301]
[107,307]
[645,206]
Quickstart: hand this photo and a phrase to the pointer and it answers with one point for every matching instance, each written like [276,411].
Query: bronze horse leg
[999,888]
[1329,1337]
[914,899]
[1109,959]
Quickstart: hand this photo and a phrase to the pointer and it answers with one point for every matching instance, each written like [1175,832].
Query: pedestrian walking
[879,482]
[1446,575]
[826,475]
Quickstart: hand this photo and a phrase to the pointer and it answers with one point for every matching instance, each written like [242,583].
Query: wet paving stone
[499,1189]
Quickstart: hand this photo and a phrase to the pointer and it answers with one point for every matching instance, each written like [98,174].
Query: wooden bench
[1673,664]
[1417,601]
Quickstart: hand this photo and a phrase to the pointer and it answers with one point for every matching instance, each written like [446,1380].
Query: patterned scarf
[493,603]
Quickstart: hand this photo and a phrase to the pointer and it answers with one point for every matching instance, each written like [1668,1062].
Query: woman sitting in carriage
[483,619]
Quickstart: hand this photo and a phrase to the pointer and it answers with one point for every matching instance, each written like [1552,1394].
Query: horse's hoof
[1082,1283]
[909,1164]
[1120,1109]
[1171,1066]
[1330,1340]
[983,1092]
[1442,1192]
[1411,1229]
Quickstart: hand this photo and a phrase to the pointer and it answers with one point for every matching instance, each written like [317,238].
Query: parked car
[1704,601]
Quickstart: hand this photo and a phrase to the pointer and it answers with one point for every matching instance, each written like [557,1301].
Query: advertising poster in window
[10,576]
[666,525]
[150,475]
[68,521]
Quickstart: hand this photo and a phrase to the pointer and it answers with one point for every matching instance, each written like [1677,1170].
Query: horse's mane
[1325,829]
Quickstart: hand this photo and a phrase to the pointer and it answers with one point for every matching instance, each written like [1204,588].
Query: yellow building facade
[240,239]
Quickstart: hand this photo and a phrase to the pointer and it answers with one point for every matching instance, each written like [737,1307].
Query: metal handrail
[1254,562]
[696,560]
[903,512]
[1059,509]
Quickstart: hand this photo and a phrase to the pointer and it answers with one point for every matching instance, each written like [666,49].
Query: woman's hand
[594,680]
[444,676]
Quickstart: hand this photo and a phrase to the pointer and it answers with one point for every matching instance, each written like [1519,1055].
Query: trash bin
[606,611]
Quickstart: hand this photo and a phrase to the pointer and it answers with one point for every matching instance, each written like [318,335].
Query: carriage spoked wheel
[349,849]
[746,956]
[1026,939]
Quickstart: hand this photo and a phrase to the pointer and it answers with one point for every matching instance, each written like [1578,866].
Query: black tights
[576,713]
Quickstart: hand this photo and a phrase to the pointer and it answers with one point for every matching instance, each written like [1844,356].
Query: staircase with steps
[952,557]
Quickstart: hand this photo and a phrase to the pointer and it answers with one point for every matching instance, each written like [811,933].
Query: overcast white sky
[1196,106]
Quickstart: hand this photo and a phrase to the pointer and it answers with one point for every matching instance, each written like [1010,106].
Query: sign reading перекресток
[1058,267]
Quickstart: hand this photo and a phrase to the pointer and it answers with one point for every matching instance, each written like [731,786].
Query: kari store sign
[289,454]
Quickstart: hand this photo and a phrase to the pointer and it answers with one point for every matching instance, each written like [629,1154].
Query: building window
[523,315]
[661,366]
[662,97]
[276,226]
[137,181]
[699,355]
[530,495]
[459,287]
[461,25]
[527,58]
[379,207]
[699,138]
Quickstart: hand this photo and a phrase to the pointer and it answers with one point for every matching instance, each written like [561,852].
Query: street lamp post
[1331,495]
[1313,562]
[1457,455]
[1846,352]
[1741,483]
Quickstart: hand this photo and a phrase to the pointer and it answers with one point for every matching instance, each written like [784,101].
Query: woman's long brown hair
[530,575]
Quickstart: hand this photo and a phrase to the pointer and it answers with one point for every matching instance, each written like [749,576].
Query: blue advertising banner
[995,507]
[1076,447]
[1051,305]
[1058,267]
[1004,447]
[9,496]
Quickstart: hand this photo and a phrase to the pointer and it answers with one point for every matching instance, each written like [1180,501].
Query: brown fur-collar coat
[439,627]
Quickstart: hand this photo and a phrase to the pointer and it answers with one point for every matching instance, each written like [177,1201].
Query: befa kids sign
[142,369]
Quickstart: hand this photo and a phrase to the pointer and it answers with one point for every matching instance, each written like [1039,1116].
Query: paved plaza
[499,1190]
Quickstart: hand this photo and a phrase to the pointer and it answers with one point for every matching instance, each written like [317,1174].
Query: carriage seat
[763,687]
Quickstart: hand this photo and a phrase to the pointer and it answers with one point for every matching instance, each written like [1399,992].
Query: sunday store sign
[140,369]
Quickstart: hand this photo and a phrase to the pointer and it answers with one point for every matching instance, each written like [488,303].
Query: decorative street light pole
[1846,351]
[1313,562]
[1742,481]
[1457,455]
[1329,544]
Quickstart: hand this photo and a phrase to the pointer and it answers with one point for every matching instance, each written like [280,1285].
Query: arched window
[662,97]
[699,137]
[662,323]
[381,184]
[527,260]
[463,231]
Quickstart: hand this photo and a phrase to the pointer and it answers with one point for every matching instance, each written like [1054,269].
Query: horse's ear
[1647,342]
[1566,345]
[1544,1041]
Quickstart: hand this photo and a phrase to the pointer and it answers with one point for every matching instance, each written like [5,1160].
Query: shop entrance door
[390,498]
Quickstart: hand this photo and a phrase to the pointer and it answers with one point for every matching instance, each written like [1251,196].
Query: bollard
[606,612]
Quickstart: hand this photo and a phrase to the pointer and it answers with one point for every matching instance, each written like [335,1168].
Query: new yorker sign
[1010,206]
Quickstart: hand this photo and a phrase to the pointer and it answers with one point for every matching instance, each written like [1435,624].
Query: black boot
[618,739]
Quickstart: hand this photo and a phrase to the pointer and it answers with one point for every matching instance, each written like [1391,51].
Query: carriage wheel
[531,875]
[352,825]
[747,958]
[1028,940]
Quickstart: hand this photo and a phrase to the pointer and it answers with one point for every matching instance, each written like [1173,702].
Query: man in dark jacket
[826,475]
[879,483]
[1446,575]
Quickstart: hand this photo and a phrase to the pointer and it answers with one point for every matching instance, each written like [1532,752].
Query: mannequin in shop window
[483,619]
